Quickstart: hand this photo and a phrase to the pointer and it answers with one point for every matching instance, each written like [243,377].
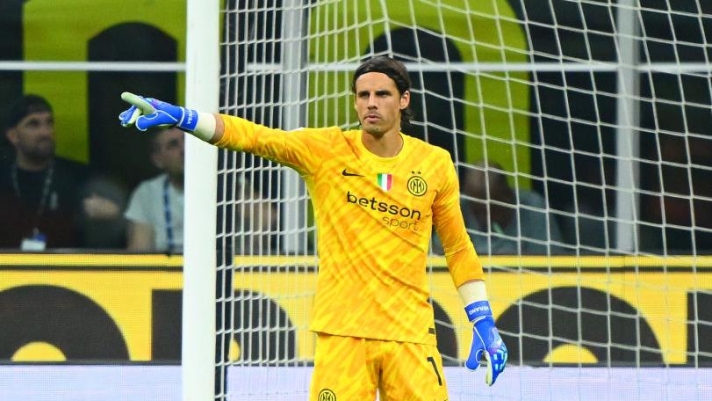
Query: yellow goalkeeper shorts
[353,369]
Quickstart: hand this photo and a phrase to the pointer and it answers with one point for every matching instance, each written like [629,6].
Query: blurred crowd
[48,202]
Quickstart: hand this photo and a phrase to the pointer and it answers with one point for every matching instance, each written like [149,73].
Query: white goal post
[599,111]
[199,275]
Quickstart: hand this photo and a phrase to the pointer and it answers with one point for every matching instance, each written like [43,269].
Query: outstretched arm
[146,113]
[297,150]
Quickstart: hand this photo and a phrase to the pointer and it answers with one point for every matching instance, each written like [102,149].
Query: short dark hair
[395,70]
[25,106]
[155,133]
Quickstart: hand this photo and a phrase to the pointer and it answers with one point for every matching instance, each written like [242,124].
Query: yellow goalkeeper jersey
[374,220]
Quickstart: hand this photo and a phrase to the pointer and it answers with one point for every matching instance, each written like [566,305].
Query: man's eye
[172,144]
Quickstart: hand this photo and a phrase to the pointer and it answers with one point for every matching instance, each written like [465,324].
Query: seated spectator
[588,220]
[103,230]
[585,227]
[155,210]
[41,195]
[256,221]
[504,220]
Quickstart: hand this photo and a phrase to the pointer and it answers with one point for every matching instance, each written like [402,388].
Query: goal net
[597,115]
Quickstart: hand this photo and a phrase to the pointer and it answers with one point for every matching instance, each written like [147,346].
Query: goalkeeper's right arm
[146,113]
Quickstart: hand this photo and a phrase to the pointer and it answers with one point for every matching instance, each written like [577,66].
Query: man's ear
[11,135]
[405,100]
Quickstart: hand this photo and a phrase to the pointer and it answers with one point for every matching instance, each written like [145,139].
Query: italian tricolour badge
[385,181]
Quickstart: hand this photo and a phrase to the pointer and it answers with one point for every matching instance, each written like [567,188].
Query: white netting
[598,114]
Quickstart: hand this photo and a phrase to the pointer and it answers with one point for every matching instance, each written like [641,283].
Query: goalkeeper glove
[485,341]
[147,113]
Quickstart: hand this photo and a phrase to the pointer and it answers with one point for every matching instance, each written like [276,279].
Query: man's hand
[485,342]
[97,207]
[147,113]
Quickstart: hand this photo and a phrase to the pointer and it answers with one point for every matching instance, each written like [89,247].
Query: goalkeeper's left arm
[486,341]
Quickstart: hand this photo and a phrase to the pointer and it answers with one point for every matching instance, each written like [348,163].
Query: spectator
[102,230]
[155,210]
[256,221]
[41,195]
[504,220]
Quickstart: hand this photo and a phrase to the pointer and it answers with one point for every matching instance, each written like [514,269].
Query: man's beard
[177,176]
[374,130]
[41,153]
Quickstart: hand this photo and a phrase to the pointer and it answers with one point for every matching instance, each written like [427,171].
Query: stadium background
[134,299]
[116,309]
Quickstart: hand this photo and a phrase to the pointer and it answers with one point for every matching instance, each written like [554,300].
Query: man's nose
[47,128]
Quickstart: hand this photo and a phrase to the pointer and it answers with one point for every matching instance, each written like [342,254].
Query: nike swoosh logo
[349,174]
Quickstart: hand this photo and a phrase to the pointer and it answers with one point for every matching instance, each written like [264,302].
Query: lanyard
[167,214]
[45,188]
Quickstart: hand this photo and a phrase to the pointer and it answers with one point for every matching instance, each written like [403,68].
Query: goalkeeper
[377,194]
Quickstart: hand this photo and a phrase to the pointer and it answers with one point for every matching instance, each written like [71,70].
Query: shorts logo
[417,185]
[326,395]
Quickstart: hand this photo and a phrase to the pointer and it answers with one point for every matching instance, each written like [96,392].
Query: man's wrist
[189,120]
[474,296]
[478,310]
[204,127]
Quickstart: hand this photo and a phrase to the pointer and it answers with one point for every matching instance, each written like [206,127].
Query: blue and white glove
[485,342]
[147,113]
